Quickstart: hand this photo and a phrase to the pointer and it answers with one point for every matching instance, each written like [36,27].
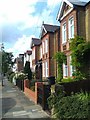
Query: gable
[43,31]
[65,8]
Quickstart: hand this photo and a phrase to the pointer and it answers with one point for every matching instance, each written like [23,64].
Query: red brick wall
[53,45]
[65,20]
[65,47]
[31,94]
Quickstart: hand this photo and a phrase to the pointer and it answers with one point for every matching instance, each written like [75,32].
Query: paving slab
[16,105]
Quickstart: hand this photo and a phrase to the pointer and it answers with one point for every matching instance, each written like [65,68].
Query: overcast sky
[20,20]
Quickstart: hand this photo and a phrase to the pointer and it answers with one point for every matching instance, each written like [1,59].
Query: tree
[27,70]
[7,61]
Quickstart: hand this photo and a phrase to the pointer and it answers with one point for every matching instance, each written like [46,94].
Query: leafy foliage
[7,61]
[19,76]
[11,76]
[60,58]
[70,107]
[80,56]
[69,79]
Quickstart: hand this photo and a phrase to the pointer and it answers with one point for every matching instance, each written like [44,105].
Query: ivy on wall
[60,58]
[80,56]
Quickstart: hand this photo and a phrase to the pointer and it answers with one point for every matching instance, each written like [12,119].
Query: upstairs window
[64,37]
[33,54]
[71,28]
[43,47]
[40,52]
[46,45]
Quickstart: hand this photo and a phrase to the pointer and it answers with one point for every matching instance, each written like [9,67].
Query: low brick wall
[29,93]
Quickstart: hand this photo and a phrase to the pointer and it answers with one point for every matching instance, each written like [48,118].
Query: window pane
[46,69]
[71,28]
[64,33]
[46,46]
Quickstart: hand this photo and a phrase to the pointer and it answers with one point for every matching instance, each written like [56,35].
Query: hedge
[76,106]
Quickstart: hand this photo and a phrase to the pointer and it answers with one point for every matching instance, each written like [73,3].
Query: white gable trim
[42,28]
[66,14]
[70,4]
[61,9]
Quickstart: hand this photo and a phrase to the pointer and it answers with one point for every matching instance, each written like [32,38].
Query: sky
[20,20]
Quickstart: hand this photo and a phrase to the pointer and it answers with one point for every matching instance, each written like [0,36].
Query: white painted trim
[69,32]
[70,4]
[44,29]
[60,10]
[66,14]
[64,30]
[62,3]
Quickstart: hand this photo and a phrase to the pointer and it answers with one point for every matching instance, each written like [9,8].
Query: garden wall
[74,87]
[33,95]
[29,93]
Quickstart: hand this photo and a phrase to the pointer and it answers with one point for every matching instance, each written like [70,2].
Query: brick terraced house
[19,63]
[50,35]
[35,46]
[28,57]
[74,18]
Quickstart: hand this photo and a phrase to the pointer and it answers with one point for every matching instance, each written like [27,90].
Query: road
[16,105]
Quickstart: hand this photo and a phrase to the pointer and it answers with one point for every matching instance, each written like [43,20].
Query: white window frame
[64,33]
[65,70]
[43,47]
[71,27]
[46,45]
[33,54]
[43,69]
[72,68]
[46,68]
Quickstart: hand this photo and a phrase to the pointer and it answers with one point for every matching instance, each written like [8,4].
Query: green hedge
[71,107]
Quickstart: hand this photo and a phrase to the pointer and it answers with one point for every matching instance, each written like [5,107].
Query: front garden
[71,96]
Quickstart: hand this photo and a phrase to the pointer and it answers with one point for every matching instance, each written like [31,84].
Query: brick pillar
[26,84]
[36,92]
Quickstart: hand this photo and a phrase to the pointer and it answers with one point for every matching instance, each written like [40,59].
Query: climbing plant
[80,56]
[60,58]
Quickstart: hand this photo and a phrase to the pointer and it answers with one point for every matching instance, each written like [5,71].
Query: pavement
[16,105]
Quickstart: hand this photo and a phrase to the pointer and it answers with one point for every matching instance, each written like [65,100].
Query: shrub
[32,84]
[20,76]
[11,77]
[69,79]
[70,107]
